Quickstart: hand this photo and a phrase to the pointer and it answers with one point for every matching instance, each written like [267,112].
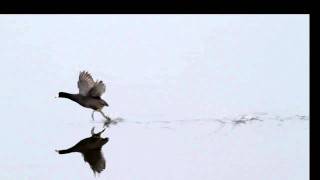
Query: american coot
[89,95]
[90,148]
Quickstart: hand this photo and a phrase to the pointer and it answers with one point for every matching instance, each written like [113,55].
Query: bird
[90,148]
[89,95]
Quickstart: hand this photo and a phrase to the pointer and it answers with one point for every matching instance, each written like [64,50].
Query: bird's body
[87,144]
[95,103]
[95,142]
[89,95]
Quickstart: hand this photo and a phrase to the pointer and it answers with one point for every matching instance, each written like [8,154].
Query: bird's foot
[107,122]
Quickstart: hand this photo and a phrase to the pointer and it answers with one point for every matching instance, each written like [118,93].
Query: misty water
[193,96]
[269,147]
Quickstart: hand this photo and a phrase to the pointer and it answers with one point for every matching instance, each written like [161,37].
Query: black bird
[89,95]
[90,148]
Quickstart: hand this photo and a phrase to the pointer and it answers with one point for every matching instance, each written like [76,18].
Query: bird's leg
[92,116]
[107,118]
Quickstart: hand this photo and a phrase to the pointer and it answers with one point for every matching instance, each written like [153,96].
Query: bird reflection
[90,148]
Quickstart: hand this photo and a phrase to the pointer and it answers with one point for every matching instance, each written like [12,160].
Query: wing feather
[98,89]
[85,83]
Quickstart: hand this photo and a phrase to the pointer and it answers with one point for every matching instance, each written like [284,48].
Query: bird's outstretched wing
[98,89]
[95,159]
[85,83]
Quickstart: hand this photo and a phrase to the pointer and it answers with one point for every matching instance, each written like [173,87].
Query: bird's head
[62,95]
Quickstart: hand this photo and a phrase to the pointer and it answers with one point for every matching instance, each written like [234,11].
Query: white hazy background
[156,68]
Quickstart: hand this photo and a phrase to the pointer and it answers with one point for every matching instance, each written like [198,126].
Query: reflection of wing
[98,89]
[85,83]
[95,159]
